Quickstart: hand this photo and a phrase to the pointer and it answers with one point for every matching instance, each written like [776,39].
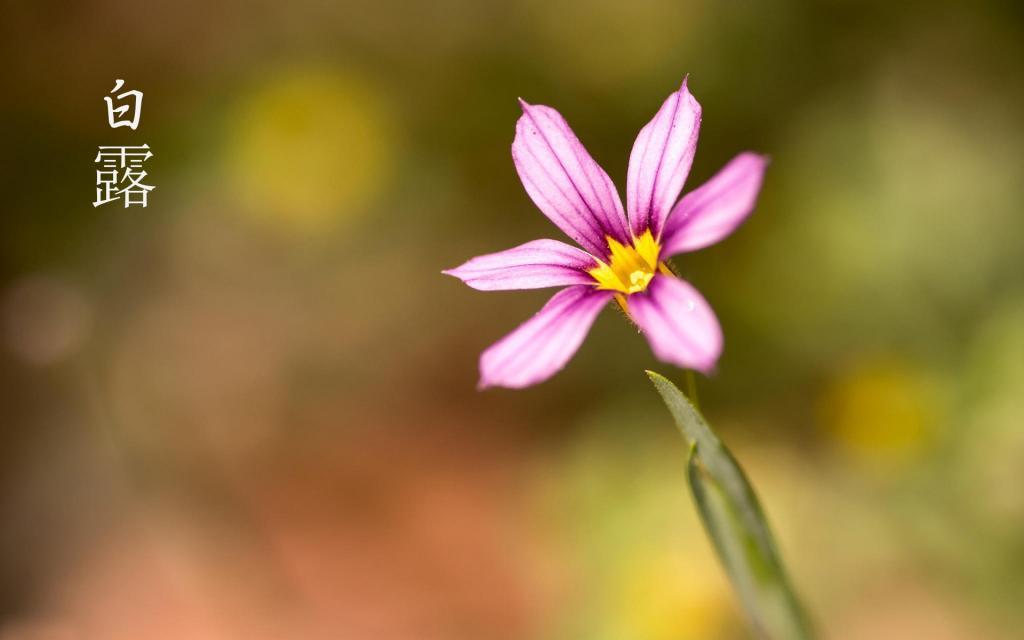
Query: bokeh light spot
[308,149]
[881,410]
[45,320]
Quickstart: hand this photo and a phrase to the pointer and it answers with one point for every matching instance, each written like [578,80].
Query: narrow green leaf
[736,524]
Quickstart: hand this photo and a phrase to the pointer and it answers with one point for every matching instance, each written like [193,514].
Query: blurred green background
[248,410]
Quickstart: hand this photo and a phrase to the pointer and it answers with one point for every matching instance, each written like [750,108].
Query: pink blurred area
[337,544]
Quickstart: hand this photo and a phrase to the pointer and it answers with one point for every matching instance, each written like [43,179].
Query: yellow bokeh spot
[882,411]
[630,268]
[663,596]
[308,148]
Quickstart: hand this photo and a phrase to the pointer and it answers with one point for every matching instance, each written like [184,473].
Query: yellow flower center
[630,268]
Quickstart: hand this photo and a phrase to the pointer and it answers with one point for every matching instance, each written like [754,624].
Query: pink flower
[623,252]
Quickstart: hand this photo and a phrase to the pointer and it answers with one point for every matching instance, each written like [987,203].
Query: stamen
[629,268]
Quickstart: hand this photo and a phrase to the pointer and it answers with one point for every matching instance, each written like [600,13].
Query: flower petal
[678,323]
[714,210]
[534,265]
[565,182]
[542,345]
[660,161]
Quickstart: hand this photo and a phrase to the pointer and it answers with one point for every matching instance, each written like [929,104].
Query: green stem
[691,387]
[735,521]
